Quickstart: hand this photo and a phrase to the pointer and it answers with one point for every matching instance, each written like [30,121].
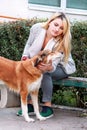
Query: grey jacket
[34,45]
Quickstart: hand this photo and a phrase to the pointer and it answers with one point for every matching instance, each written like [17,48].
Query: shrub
[13,37]
[64,96]
[79,51]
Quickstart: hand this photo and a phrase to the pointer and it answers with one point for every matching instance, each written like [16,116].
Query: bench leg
[3,96]
[80,97]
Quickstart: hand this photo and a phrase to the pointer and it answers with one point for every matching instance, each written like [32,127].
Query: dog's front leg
[24,107]
[34,96]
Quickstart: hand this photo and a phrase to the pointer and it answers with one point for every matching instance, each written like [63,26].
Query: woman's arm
[28,43]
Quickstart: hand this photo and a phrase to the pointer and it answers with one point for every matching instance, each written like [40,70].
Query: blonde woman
[53,35]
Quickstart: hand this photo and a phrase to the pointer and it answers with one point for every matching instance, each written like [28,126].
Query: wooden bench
[76,82]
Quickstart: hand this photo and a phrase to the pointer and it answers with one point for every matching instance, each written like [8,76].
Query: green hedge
[79,44]
[13,37]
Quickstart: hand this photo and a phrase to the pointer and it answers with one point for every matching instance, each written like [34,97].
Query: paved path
[62,120]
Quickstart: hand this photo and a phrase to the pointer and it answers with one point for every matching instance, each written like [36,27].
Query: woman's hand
[24,58]
[45,67]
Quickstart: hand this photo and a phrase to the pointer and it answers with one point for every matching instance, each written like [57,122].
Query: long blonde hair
[63,42]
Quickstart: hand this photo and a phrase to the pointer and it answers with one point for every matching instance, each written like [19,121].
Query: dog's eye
[43,55]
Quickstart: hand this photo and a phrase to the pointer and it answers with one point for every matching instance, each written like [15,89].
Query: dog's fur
[25,78]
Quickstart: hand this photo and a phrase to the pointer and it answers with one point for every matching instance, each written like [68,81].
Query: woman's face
[56,27]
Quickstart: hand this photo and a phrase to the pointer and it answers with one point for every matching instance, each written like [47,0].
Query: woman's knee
[59,73]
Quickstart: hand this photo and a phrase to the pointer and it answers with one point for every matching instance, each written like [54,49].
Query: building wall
[13,8]
[21,9]
[43,14]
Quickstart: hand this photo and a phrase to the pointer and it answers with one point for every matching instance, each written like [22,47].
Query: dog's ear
[44,53]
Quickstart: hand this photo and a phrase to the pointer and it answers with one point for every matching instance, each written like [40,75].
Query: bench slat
[72,82]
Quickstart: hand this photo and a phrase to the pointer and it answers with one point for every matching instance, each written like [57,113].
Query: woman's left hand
[45,67]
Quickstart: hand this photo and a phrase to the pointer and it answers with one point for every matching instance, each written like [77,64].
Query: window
[47,2]
[69,6]
[77,4]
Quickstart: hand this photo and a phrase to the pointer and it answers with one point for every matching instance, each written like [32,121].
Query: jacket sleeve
[69,67]
[33,33]
[57,61]
[28,43]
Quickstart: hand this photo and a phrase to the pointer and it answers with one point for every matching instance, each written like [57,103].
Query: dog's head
[44,56]
[47,55]
[30,64]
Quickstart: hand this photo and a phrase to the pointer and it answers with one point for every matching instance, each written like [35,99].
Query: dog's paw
[30,120]
[41,118]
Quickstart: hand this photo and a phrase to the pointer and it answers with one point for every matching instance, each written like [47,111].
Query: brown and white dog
[25,78]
